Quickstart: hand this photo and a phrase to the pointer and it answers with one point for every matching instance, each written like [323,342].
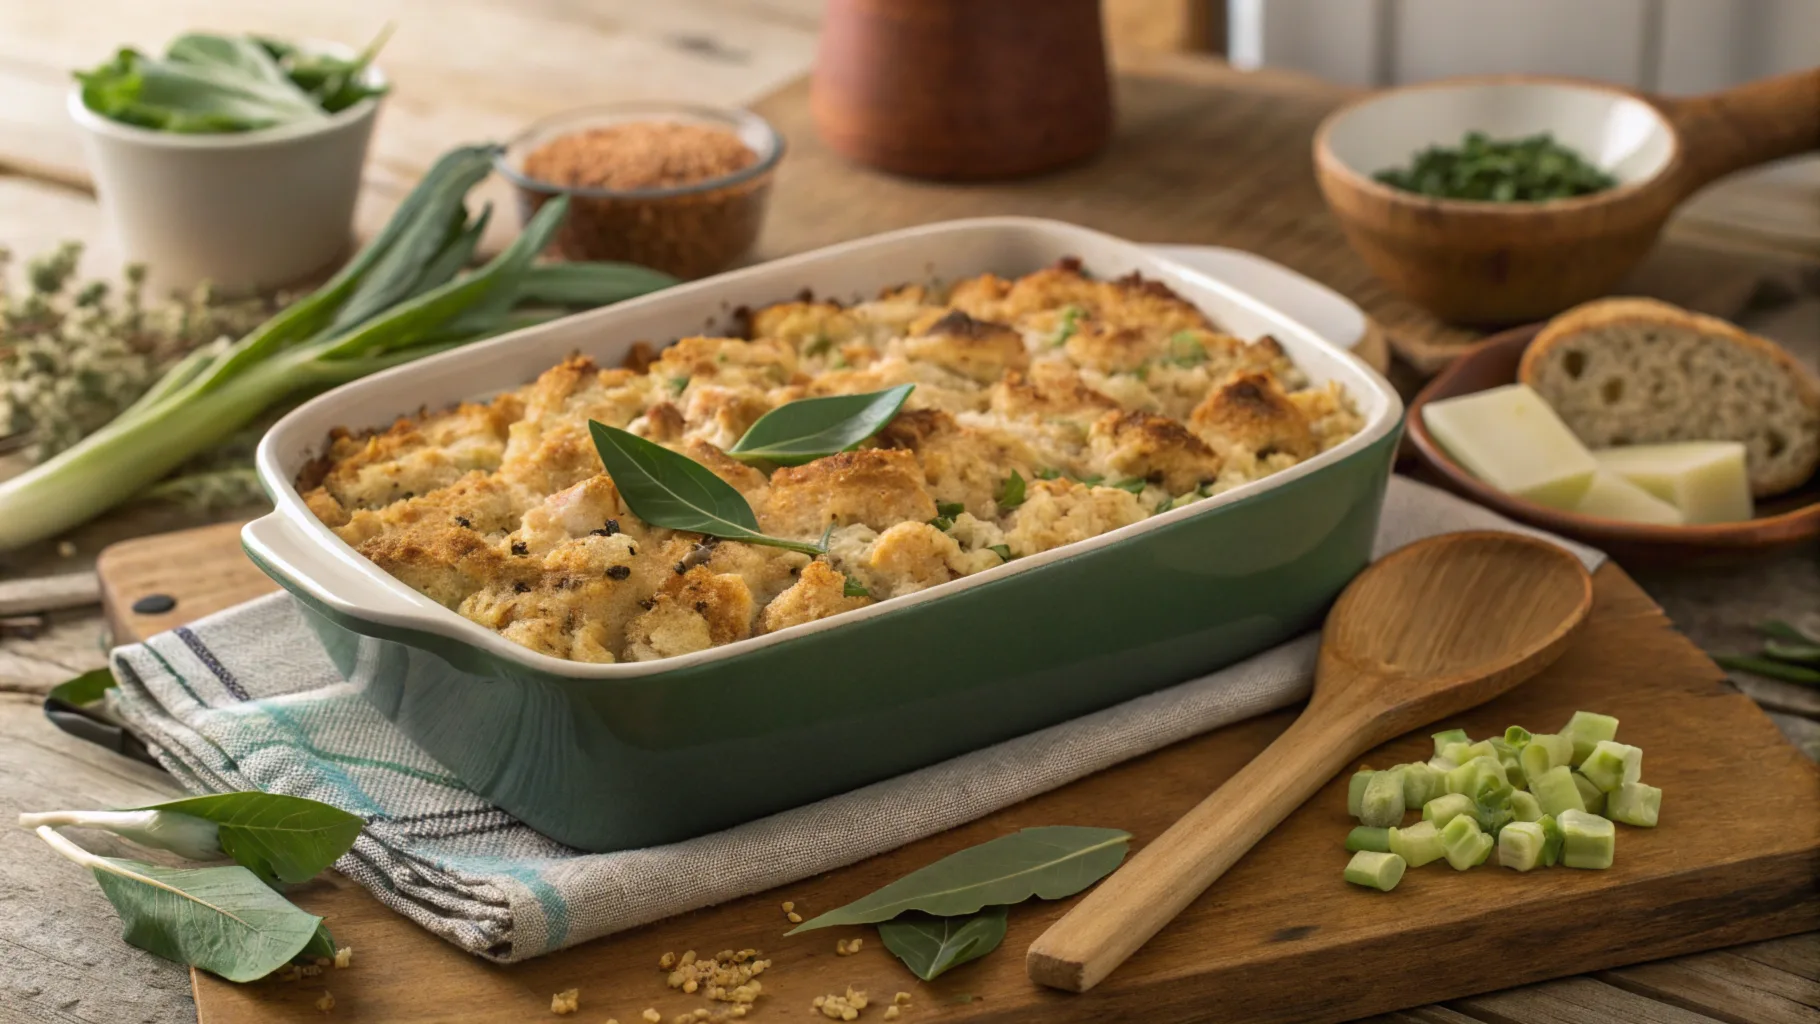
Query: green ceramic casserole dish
[606,757]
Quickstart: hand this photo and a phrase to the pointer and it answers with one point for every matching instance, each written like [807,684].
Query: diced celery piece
[1517,736]
[1551,848]
[1355,791]
[1520,845]
[1421,783]
[1493,811]
[1586,729]
[1376,840]
[1441,764]
[1464,844]
[1587,840]
[1612,764]
[1633,804]
[1442,739]
[1471,776]
[1418,844]
[1555,791]
[1460,753]
[1513,770]
[1590,795]
[1525,806]
[1381,806]
[1442,810]
[1380,871]
[1545,751]
[1502,750]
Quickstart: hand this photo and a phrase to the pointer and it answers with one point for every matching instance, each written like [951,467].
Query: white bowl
[245,210]
[1614,130]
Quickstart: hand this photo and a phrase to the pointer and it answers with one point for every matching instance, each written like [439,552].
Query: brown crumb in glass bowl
[639,155]
[689,233]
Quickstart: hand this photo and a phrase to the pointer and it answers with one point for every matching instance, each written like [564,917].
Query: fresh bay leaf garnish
[668,489]
[931,945]
[86,688]
[221,919]
[1052,862]
[811,428]
[279,838]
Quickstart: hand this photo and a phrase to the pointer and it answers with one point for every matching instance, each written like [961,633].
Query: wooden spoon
[1433,629]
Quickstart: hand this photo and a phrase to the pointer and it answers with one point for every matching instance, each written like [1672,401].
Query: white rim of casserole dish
[310,557]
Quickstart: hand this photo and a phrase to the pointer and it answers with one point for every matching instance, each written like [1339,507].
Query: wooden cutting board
[1280,938]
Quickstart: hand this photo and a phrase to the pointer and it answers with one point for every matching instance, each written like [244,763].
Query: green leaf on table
[321,944]
[223,920]
[1769,668]
[1783,650]
[1051,862]
[1776,629]
[810,428]
[930,945]
[669,489]
[86,688]
[279,838]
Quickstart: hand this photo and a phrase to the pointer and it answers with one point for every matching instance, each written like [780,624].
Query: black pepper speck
[618,572]
[612,527]
[519,548]
[521,588]
[462,521]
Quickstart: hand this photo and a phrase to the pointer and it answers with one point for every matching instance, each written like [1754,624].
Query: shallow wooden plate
[1783,522]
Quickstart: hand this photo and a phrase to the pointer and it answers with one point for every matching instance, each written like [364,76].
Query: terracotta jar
[962,89]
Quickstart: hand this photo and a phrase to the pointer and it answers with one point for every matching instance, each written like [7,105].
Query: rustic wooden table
[475,68]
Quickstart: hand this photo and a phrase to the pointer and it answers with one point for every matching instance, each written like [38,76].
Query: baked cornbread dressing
[1103,402]
[669,195]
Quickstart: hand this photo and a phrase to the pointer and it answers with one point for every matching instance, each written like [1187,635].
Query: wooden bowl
[1473,261]
[962,89]
[1783,522]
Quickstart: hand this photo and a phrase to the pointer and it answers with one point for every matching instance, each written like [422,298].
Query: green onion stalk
[401,298]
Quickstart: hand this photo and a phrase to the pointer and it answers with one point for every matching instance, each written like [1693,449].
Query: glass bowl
[689,230]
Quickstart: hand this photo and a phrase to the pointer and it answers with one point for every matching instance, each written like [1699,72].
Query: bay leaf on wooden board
[1051,862]
[930,945]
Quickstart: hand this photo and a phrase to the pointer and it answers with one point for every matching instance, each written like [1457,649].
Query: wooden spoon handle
[1119,916]
[1745,126]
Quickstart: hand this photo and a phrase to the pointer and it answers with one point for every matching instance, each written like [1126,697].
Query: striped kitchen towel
[245,699]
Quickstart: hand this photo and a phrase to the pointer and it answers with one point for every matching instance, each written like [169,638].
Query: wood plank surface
[1280,917]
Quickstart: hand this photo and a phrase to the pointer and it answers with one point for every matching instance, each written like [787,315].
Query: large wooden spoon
[1433,629]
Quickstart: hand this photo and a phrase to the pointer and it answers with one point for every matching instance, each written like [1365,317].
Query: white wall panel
[1601,39]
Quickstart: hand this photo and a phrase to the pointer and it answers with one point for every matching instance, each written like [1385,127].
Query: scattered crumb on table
[565,1002]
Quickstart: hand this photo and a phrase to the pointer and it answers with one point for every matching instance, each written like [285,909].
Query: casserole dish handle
[330,576]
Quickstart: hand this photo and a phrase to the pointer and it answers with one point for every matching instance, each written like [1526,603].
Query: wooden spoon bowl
[1435,628]
[1499,263]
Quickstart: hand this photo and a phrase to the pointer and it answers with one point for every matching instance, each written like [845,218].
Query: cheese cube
[1613,497]
[1706,480]
[1510,438]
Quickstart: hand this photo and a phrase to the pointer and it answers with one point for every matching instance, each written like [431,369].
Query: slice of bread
[1638,371]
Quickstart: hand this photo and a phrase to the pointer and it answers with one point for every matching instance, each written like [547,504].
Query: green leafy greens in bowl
[207,84]
[1529,170]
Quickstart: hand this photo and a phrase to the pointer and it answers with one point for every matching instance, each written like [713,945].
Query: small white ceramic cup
[245,210]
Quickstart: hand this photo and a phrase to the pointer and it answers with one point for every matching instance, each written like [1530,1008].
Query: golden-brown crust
[873,486]
[818,593]
[1155,448]
[502,510]
[1250,412]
